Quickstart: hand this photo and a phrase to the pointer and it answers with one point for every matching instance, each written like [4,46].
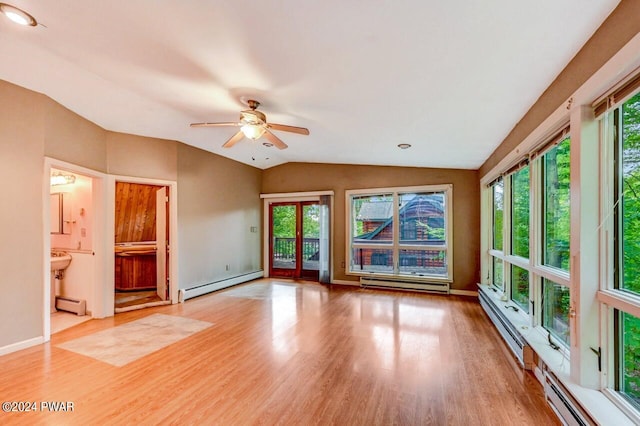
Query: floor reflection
[295,313]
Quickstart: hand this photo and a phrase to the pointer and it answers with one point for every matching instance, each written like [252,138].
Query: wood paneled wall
[135,212]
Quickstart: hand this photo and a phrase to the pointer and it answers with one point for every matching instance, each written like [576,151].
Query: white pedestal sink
[60,260]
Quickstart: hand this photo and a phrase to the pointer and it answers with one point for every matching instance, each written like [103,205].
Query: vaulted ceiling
[451,78]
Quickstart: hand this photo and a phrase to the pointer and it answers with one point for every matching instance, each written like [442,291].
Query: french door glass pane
[630,194]
[498,212]
[310,237]
[556,206]
[498,273]
[422,218]
[630,356]
[423,262]
[372,219]
[284,236]
[372,260]
[555,310]
[520,212]
[520,287]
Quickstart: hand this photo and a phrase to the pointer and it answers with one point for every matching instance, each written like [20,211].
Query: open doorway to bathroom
[72,261]
[141,246]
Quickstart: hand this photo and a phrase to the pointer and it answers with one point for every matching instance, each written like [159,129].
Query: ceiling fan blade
[274,139]
[233,140]
[285,128]
[230,123]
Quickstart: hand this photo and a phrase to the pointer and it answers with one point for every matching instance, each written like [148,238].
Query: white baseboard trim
[21,345]
[463,292]
[346,282]
[218,285]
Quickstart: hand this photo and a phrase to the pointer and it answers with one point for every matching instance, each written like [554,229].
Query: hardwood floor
[291,353]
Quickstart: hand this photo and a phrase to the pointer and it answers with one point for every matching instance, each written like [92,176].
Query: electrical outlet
[227,267]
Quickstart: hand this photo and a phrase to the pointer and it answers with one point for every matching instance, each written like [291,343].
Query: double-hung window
[401,232]
[555,236]
[497,233]
[519,233]
[529,237]
[621,288]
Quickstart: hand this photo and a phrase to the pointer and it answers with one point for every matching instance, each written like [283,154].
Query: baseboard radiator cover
[513,338]
[190,293]
[404,284]
[67,304]
[563,404]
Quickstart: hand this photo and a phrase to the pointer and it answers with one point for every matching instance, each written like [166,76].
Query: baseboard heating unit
[78,307]
[189,293]
[564,405]
[509,333]
[404,284]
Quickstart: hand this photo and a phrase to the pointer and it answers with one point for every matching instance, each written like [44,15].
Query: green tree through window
[520,212]
[629,259]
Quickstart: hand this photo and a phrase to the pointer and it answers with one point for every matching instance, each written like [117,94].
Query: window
[497,190]
[626,246]
[520,287]
[556,220]
[498,273]
[497,232]
[556,206]
[401,231]
[555,310]
[520,212]
[628,196]
[530,234]
[628,356]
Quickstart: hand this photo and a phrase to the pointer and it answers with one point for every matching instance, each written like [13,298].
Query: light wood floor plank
[292,353]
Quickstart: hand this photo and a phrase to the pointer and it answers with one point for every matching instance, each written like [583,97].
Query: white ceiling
[450,77]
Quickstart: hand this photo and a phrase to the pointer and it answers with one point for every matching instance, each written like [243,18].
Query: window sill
[594,402]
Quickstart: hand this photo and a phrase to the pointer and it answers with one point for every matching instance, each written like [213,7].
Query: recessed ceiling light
[18,16]
[404,145]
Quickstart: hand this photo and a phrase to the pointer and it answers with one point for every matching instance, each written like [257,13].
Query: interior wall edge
[616,31]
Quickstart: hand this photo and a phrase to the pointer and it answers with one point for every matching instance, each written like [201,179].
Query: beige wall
[300,177]
[21,235]
[139,156]
[218,203]
[617,30]
[71,138]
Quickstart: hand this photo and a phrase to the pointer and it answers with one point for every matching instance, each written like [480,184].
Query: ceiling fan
[253,124]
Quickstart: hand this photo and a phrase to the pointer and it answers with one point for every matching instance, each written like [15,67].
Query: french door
[294,239]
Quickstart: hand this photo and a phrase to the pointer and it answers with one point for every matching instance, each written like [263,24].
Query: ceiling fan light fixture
[253,131]
[404,145]
[18,16]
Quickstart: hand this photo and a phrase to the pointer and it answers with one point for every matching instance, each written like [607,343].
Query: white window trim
[395,245]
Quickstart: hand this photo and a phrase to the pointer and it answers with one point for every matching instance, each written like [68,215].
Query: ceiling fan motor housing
[253,117]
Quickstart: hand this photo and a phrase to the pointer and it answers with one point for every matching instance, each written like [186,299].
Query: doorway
[294,240]
[141,246]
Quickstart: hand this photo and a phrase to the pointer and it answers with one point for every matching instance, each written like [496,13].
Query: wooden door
[294,240]
[162,201]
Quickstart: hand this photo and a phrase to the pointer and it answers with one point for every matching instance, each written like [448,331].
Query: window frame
[613,300]
[396,245]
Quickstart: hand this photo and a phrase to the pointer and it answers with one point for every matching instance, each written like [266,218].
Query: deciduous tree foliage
[630,213]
